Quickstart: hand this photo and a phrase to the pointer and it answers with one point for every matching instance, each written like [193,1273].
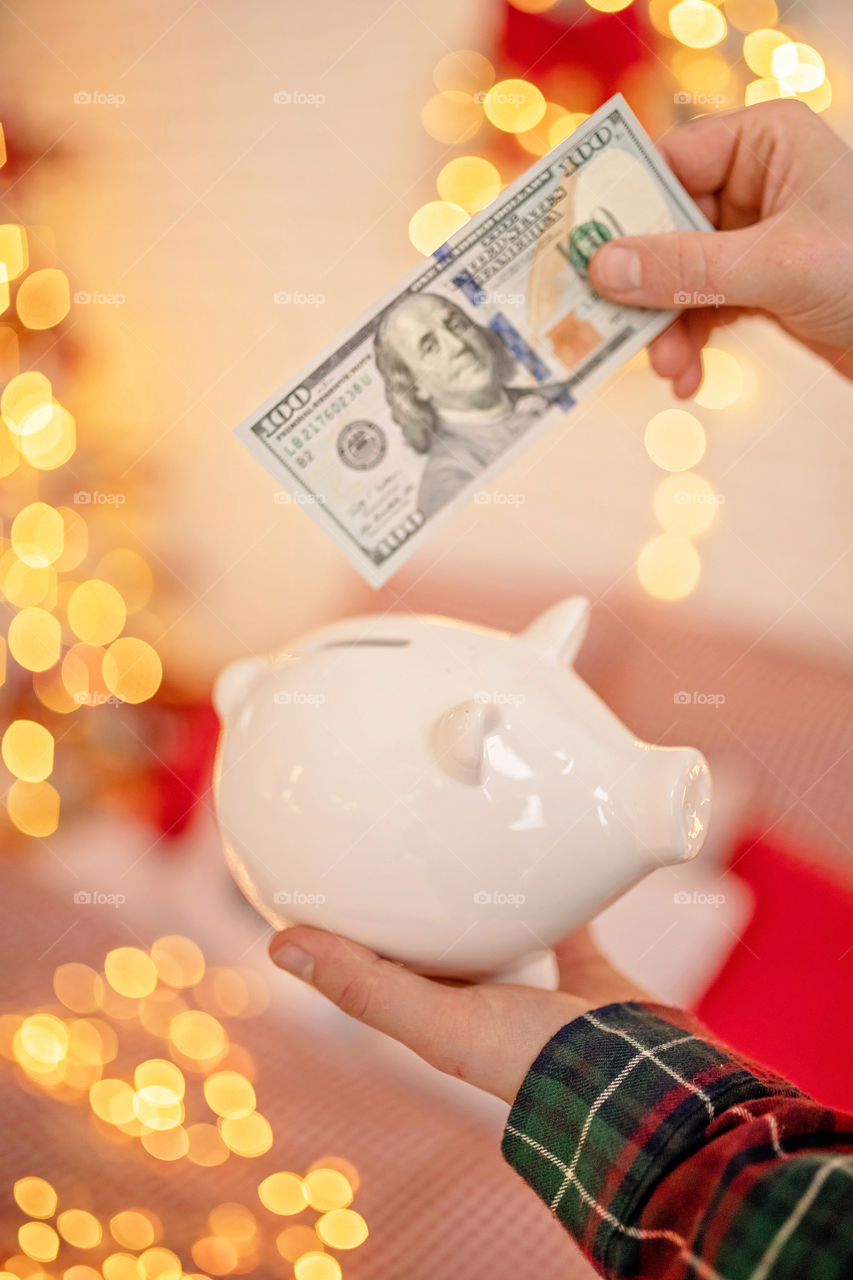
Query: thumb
[692,269]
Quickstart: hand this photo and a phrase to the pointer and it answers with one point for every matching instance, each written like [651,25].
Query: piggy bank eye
[365,644]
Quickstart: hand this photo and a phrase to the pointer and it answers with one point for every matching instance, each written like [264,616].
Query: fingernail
[294,960]
[620,268]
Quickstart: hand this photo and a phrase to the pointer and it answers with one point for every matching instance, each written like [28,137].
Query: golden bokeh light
[120,1266]
[5,296]
[206,1147]
[215,1256]
[668,567]
[317,1266]
[452,117]
[179,960]
[685,503]
[198,1035]
[130,971]
[766,90]
[565,126]
[749,15]
[135,1229]
[75,986]
[158,1107]
[24,584]
[132,670]
[131,576]
[27,750]
[157,1010]
[293,1242]
[697,23]
[675,440]
[514,106]
[469,182]
[33,808]
[44,298]
[533,6]
[538,139]
[722,381]
[80,1228]
[35,1197]
[799,65]
[38,1240]
[76,541]
[464,71]
[609,6]
[342,1229]
[283,1193]
[38,534]
[434,223]
[96,612]
[327,1189]
[166,1144]
[80,1272]
[230,1095]
[235,1222]
[112,1101]
[9,456]
[248,1136]
[35,639]
[156,1262]
[819,99]
[342,1165]
[14,254]
[82,675]
[161,1073]
[23,394]
[759,47]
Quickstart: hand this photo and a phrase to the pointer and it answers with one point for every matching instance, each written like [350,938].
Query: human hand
[488,1035]
[777,182]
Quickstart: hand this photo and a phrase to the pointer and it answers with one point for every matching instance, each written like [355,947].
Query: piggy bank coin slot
[365,644]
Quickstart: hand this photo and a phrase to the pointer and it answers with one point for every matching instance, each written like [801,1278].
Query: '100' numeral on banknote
[476,353]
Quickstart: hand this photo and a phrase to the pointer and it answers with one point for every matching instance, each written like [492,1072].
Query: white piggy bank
[451,796]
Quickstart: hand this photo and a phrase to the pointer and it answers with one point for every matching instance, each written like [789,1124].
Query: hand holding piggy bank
[450,796]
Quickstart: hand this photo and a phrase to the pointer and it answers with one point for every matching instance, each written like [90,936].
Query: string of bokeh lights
[197,1105]
[713,49]
[64,620]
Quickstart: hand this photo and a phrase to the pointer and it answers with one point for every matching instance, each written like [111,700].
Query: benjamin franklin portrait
[446,382]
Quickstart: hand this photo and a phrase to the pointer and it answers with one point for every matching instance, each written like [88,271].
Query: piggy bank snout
[672,802]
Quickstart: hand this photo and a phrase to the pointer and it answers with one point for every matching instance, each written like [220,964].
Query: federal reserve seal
[362,445]
[583,242]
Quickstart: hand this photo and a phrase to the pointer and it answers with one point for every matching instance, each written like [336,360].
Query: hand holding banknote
[778,183]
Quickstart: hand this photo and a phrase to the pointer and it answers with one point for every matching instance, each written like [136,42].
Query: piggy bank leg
[538,969]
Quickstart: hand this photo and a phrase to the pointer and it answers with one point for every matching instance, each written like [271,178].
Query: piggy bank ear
[233,684]
[558,632]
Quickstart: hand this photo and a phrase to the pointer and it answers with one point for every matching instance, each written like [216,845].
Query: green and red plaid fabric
[667,1155]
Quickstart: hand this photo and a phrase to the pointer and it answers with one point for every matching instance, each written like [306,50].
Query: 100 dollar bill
[475,354]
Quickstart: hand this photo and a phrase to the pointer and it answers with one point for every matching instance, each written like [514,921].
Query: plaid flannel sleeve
[666,1155]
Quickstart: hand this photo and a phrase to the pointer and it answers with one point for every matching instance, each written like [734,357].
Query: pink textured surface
[435,1191]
